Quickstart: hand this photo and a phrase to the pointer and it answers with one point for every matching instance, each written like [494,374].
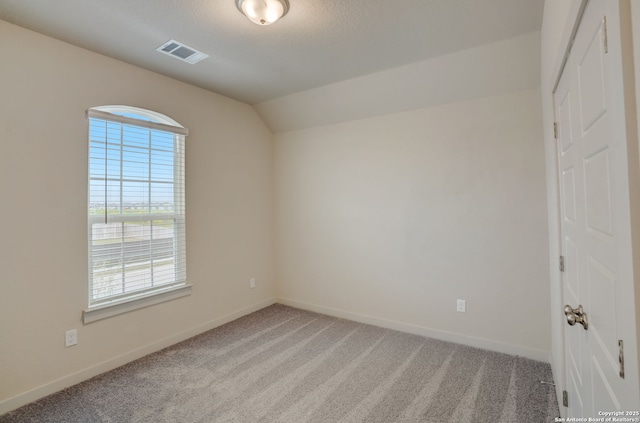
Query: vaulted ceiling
[318,42]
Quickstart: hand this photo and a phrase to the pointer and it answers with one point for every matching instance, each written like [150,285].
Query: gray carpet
[282,364]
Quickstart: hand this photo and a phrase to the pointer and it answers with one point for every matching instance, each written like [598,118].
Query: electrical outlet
[252,283]
[461,306]
[71,337]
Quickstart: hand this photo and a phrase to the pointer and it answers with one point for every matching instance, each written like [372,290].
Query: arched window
[136,210]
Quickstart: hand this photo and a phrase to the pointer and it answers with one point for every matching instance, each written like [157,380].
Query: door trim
[564,49]
[570,29]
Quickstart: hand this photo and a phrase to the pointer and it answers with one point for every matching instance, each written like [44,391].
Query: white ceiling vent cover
[182,51]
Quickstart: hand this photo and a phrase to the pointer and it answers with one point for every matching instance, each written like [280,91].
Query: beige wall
[45,88]
[635,27]
[391,219]
[505,66]
[384,219]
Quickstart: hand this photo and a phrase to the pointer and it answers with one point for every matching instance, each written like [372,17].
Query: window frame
[115,304]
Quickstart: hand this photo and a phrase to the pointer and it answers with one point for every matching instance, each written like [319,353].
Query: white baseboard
[89,372]
[471,341]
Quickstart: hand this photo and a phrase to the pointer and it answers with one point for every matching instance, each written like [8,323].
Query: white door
[595,220]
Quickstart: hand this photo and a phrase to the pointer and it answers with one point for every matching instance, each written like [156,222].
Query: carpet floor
[282,364]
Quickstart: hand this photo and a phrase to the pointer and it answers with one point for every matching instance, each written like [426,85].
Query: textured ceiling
[317,43]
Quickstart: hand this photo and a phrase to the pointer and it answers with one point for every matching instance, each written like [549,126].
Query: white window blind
[136,212]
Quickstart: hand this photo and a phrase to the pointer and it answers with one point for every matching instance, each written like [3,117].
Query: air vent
[181,51]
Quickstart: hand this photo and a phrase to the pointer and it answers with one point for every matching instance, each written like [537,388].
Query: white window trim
[147,299]
[101,114]
[163,293]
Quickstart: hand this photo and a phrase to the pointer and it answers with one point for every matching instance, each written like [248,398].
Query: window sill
[104,311]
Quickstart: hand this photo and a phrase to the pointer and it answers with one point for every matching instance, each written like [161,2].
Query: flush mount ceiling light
[263,12]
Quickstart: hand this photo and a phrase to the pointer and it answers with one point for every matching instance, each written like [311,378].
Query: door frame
[629,113]
[570,28]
